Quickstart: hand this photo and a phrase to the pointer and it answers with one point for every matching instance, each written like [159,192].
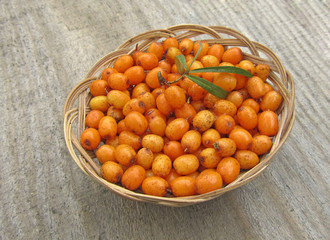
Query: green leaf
[181,63]
[227,69]
[208,86]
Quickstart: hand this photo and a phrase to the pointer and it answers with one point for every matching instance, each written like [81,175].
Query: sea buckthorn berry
[256,87]
[157,125]
[224,124]
[268,88]
[118,81]
[235,97]
[185,83]
[149,173]
[252,103]
[152,77]
[240,81]
[90,139]
[209,137]
[248,66]
[203,120]
[133,177]
[262,71]
[175,96]
[112,141]
[207,181]
[241,137]
[232,55]
[171,176]
[144,157]
[194,175]
[157,49]
[191,141]
[154,112]
[186,164]
[209,158]
[136,122]
[209,100]
[208,76]
[225,147]
[166,66]
[210,61]
[112,172]
[117,98]
[107,127]
[125,155]
[121,126]
[261,144]
[117,114]
[93,118]
[196,92]
[134,105]
[157,91]
[223,106]
[268,123]
[129,138]
[216,50]
[172,77]
[135,75]
[148,99]
[161,165]
[271,101]
[163,105]
[174,69]
[105,153]
[247,117]
[173,149]
[247,159]
[198,105]
[176,129]
[154,142]
[170,42]
[99,103]
[226,81]
[99,87]
[171,53]
[183,186]
[229,169]
[244,92]
[186,46]
[189,57]
[155,186]
[139,89]
[187,111]
[123,63]
[194,65]
[203,52]
[147,60]
[107,72]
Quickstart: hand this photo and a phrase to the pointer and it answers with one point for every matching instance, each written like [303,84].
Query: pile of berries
[178,139]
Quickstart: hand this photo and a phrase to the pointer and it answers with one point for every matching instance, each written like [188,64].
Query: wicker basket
[76,105]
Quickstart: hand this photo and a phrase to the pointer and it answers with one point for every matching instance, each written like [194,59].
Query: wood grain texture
[47,47]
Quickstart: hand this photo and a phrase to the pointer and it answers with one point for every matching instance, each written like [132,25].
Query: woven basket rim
[73,116]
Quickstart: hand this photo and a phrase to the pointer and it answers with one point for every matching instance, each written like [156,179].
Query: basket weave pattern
[76,105]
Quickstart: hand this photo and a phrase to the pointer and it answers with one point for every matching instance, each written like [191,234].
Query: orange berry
[235,97]
[117,114]
[256,87]
[171,53]
[140,89]
[271,101]
[216,50]
[225,147]
[99,103]
[183,186]
[186,164]
[203,120]
[154,142]
[134,105]
[136,122]
[223,106]
[148,100]
[144,158]
[154,112]
[133,177]
[241,137]
[210,61]
[262,71]
[166,66]
[118,81]
[99,87]
[173,149]
[232,55]
[251,103]
[210,100]
[135,75]
[157,125]
[247,159]
[161,165]
[170,42]
[208,180]
[90,139]
[171,176]
[203,52]
[176,129]
[229,169]
[157,49]
[163,105]
[261,144]
[247,117]
[268,123]
[123,63]
[112,172]
[129,138]
[152,77]
[93,118]
[248,66]
[107,127]
[105,153]
[155,186]
[209,137]
[175,96]
[196,92]
[186,46]
[187,111]
[226,81]
[147,60]
[224,124]
[117,98]
[107,72]
[209,158]
[191,141]
[125,155]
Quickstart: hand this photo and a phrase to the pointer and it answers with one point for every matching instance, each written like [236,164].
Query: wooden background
[47,47]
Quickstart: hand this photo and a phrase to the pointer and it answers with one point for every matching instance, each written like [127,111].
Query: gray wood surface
[47,47]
